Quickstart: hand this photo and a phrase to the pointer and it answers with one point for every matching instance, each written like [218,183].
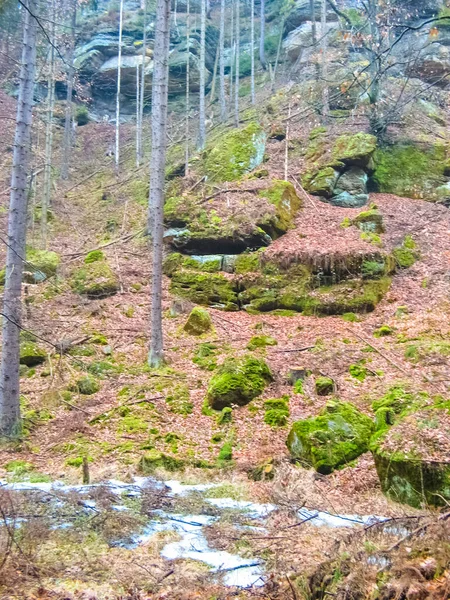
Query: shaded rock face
[301,13]
[298,42]
[351,189]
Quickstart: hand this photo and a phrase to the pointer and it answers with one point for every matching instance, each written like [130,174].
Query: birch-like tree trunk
[67,141]
[202,115]
[238,50]
[46,196]
[188,91]
[262,36]
[252,50]
[324,48]
[157,173]
[142,98]
[223,101]
[10,422]
[277,59]
[119,73]
[138,113]
[232,58]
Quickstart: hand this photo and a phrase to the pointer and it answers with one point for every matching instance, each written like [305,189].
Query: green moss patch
[199,322]
[153,460]
[86,385]
[235,153]
[31,354]
[406,254]
[276,411]
[95,280]
[205,356]
[337,436]
[354,149]
[207,289]
[179,400]
[42,265]
[324,386]
[261,341]
[238,382]
[283,196]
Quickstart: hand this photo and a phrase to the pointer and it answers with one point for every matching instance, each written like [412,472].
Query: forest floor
[96,209]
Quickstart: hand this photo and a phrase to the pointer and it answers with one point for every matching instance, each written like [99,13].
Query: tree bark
[119,69]
[138,112]
[157,173]
[202,115]
[324,44]
[10,423]
[223,102]
[142,99]
[262,37]
[238,49]
[67,143]
[252,51]
[188,91]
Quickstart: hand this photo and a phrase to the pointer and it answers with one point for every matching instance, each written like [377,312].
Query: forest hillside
[225,252]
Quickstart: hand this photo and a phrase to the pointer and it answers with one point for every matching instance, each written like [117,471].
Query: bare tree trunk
[232,56]
[212,94]
[252,51]
[238,48]
[280,40]
[262,37]
[286,147]
[142,99]
[202,115]
[188,91]
[157,173]
[119,69]
[138,113]
[10,423]
[312,12]
[223,102]
[324,48]
[67,143]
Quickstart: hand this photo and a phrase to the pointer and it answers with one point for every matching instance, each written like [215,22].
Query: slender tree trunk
[10,423]
[232,59]
[324,48]
[67,143]
[212,94]
[223,101]
[252,50]
[286,147]
[142,99]
[188,91]
[119,69]
[312,12]
[46,197]
[138,113]
[280,41]
[157,173]
[262,37]
[238,49]
[202,115]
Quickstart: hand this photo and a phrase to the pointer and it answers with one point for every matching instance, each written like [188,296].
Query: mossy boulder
[324,386]
[406,254]
[31,354]
[276,411]
[354,149]
[208,289]
[412,459]
[261,341]
[321,182]
[235,153]
[153,460]
[238,382]
[369,221]
[331,440]
[94,256]
[351,189]
[40,265]
[199,322]
[95,280]
[410,170]
[86,385]
[282,195]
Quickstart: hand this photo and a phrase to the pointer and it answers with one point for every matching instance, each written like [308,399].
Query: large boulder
[95,280]
[412,458]
[235,153]
[199,322]
[238,382]
[354,149]
[351,189]
[331,440]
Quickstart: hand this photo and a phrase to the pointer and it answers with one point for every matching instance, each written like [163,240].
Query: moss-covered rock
[225,416]
[207,289]
[238,382]
[94,256]
[31,354]
[235,153]
[153,460]
[40,265]
[369,221]
[410,170]
[261,341]
[248,262]
[406,254]
[321,182]
[324,386]
[199,322]
[276,411]
[95,280]
[412,461]
[337,436]
[354,149]
[282,195]
[86,385]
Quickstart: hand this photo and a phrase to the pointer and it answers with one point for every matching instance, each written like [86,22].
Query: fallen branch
[295,349]
[122,240]
[416,531]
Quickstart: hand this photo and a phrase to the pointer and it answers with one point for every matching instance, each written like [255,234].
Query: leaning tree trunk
[157,173]
[17,222]
[45,204]
[223,101]
[119,69]
[202,115]
[262,37]
[238,49]
[67,142]
[252,51]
